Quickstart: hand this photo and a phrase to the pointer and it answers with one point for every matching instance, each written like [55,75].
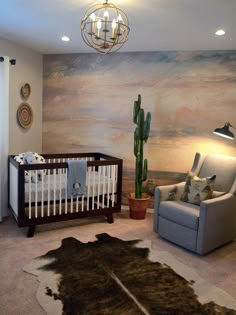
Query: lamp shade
[224,131]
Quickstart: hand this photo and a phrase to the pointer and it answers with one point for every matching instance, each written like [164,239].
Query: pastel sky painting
[88,103]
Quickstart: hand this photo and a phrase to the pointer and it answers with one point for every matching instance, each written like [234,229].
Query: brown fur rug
[115,277]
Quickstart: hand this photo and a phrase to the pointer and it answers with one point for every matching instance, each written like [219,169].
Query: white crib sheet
[54,187]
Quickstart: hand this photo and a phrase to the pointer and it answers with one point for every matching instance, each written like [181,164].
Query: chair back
[224,167]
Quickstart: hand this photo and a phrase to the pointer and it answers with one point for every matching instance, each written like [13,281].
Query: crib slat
[88,187]
[30,191]
[103,186]
[66,191]
[71,204]
[98,185]
[113,184]
[93,187]
[49,177]
[42,197]
[36,193]
[77,204]
[60,179]
[82,203]
[54,191]
[108,183]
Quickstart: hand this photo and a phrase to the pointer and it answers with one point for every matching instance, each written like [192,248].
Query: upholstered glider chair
[200,213]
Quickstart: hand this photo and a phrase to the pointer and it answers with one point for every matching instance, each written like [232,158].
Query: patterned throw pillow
[172,194]
[38,158]
[198,189]
[20,158]
[31,158]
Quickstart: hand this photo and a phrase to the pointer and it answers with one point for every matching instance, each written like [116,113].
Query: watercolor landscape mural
[88,103]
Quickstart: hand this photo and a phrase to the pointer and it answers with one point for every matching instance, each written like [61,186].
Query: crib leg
[31,231]
[110,218]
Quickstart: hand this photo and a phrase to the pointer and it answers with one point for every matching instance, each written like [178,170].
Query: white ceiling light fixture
[220,32]
[105,27]
[65,38]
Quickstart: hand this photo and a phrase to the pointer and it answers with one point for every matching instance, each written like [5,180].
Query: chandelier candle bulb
[93,19]
[99,25]
[106,15]
[119,20]
[113,29]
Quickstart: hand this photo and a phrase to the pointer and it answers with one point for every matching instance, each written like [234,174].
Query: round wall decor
[25,90]
[25,115]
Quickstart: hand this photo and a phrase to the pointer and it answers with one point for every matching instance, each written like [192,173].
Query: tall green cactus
[141,135]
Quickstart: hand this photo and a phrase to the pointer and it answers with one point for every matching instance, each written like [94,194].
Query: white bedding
[54,187]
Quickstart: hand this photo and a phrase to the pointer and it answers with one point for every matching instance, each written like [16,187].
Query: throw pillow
[31,158]
[172,194]
[20,158]
[35,158]
[198,189]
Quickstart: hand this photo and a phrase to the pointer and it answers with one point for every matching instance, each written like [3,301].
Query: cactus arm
[145,170]
[147,124]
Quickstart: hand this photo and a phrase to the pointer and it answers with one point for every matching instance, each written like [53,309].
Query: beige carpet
[18,289]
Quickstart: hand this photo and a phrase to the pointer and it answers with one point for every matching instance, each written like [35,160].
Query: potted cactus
[138,201]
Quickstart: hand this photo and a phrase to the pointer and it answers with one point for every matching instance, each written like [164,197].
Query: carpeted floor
[18,289]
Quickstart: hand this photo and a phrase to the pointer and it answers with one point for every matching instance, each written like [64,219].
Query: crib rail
[49,197]
[46,200]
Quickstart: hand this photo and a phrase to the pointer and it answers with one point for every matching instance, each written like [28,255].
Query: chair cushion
[181,213]
[198,189]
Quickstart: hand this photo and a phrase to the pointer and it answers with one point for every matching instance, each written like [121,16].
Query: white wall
[28,69]
[4,133]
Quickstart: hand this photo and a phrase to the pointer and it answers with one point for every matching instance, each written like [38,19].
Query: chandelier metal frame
[105,27]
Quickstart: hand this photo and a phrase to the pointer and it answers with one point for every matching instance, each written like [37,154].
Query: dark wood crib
[46,200]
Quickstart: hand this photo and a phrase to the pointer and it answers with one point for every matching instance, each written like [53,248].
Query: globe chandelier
[105,27]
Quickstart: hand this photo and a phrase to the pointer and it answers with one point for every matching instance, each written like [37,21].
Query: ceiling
[154,24]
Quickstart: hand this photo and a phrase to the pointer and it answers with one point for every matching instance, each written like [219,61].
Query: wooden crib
[46,201]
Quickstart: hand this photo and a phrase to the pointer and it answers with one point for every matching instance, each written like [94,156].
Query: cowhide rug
[114,277]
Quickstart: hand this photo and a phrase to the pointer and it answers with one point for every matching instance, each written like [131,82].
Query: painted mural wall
[88,106]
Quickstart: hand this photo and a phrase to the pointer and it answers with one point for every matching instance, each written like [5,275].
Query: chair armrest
[161,193]
[217,222]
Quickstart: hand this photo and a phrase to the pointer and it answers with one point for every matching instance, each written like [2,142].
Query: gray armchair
[199,228]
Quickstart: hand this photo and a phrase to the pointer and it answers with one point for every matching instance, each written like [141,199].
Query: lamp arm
[228,124]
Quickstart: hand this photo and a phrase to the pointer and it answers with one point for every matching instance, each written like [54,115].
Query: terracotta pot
[138,207]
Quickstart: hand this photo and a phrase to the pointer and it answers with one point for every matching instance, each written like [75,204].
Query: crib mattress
[54,187]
